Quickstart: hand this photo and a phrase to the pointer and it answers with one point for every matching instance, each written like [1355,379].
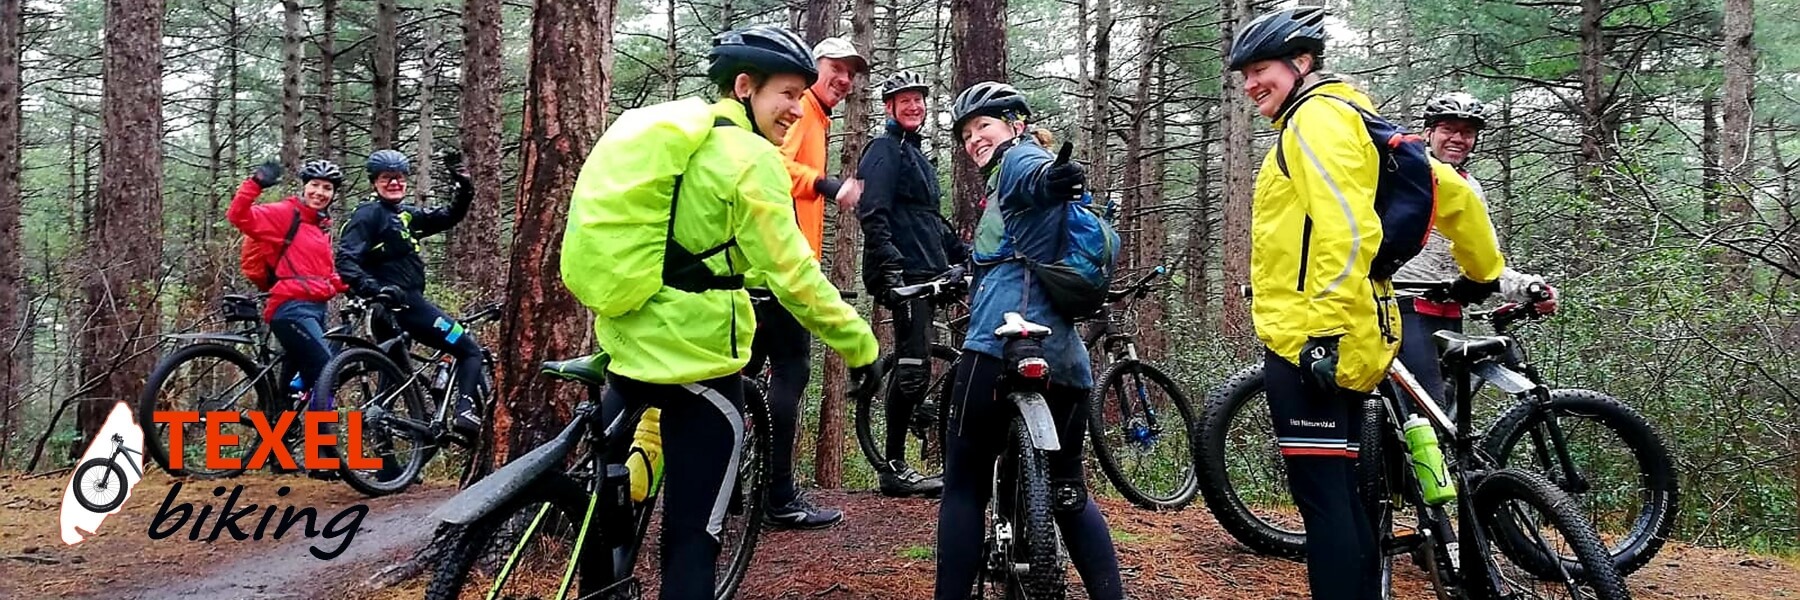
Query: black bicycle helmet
[1281,34]
[987,99]
[322,169]
[387,161]
[765,49]
[1456,105]
[901,82]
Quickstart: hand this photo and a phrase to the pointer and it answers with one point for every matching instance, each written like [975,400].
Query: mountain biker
[1330,331]
[906,240]
[1453,122]
[305,277]
[681,348]
[378,253]
[1024,211]
[780,339]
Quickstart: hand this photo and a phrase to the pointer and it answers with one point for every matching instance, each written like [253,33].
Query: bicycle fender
[505,483]
[225,338]
[1507,380]
[1038,422]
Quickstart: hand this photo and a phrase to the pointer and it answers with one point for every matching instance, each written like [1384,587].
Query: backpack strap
[288,240]
[1392,142]
[685,270]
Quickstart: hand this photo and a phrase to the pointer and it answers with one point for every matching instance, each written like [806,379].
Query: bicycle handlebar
[952,281]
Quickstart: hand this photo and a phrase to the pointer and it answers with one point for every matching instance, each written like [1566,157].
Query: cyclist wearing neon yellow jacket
[1330,330]
[675,205]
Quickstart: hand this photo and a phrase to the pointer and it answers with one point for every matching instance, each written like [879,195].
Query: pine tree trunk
[828,466]
[1709,155]
[1235,112]
[1099,179]
[1594,134]
[427,116]
[978,42]
[329,133]
[476,241]
[565,112]
[1733,158]
[386,73]
[15,296]
[290,86]
[127,246]
[1197,267]
[819,22]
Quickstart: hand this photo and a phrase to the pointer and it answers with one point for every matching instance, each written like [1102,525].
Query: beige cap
[839,47]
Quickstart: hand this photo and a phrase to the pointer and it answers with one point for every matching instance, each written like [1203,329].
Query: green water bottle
[1428,462]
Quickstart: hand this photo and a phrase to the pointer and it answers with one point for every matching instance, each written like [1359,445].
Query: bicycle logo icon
[100,483]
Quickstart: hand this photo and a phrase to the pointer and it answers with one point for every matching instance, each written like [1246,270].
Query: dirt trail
[881,552]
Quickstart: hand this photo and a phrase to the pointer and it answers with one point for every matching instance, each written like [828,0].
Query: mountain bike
[390,385]
[1513,535]
[1021,550]
[554,526]
[923,442]
[1140,422]
[212,372]
[1589,445]
[100,483]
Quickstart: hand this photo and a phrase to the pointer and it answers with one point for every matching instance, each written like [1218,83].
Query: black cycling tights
[702,426]
[978,424]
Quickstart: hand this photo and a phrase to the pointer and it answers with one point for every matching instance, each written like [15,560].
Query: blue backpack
[1405,194]
[1079,279]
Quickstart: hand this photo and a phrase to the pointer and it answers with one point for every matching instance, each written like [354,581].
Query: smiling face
[774,105]
[1269,82]
[836,75]
[1452,140]
[982,135]
[908,108]
[390,186]
[318,193]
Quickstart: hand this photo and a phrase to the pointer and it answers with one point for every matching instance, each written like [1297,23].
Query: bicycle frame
[119,448]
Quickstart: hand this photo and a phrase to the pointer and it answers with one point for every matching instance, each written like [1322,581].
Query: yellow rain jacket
[733,196]
[1314,233]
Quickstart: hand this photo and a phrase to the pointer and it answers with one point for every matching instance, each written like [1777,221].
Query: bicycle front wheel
[1627,479]
[1526,518]
[100,485]
[395,428]
[743,516]
[542,544]
[204,378]
[1143,434]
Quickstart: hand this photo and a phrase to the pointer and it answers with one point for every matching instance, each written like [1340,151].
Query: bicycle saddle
[1017,327]
[1459,347]
[590,369]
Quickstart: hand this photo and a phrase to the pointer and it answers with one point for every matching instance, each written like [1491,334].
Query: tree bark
[978,41]
[387,118]
[476,241]
[1709,154]
[565,112]
[828,468]
[1595,135]
[329,133]
[819,22]
[1733,158]
[122,291]
[427,117]
[1100,97]
[15,333]
[1235,112]
[1197,266]
[290,86]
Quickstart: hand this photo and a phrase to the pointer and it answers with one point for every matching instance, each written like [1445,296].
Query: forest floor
[881,551]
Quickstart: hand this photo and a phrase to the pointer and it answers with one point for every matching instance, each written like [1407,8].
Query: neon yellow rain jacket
[1314,233]
[732,185]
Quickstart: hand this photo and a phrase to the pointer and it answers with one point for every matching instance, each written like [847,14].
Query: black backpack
[1405,194]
